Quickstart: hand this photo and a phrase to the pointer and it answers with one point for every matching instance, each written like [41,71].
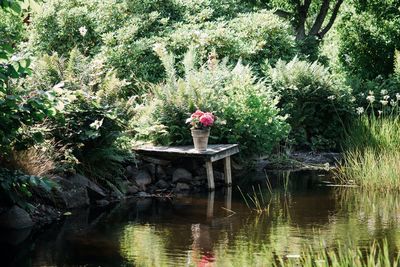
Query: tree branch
[283,13]
[323,11]
[332,19]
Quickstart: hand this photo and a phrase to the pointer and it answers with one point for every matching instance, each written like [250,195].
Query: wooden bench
[213,153]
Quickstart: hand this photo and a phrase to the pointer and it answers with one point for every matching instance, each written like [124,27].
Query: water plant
[255,200]
[372,146]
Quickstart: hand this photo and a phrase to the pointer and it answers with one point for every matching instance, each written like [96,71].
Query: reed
[372,154]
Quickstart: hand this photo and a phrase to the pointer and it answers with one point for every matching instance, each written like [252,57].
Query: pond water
[204,229]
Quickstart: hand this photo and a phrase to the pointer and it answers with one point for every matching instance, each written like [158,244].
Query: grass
[343,255]
[255,200]
[258,200]
[372,157]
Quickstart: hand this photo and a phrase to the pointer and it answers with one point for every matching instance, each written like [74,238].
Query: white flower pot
[200,138]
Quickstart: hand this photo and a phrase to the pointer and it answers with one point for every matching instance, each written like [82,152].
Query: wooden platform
[213,153]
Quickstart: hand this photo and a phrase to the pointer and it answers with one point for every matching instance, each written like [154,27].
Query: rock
[116,192]
[95,191]
[160,172]
[181,175]
[131,171]
[197,168]
[182,187]
[143,194]
[156,161]
[14,237]
[143,179]
[15,218]
[200,178]
[132,189]
[151,168]
[102,202]
[69,195]
[44,214]
[219,176]
[151,189]
[197,183]
[161,184]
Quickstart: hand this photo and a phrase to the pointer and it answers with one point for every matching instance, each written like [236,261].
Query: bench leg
[228,198]
[210,204]
[228,171]
[210,175]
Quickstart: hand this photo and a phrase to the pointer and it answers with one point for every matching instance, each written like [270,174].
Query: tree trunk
[302,11]
[320,18]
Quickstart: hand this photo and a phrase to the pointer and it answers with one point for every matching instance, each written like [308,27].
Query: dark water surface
[194,230]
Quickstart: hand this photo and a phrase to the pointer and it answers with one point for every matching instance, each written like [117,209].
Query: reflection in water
[202,230]
[141,244]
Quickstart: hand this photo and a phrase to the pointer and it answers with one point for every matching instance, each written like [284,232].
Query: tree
[310,18]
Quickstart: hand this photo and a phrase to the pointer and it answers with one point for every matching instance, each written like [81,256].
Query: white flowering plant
[383,104]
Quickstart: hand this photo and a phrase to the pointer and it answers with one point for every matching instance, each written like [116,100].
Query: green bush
[88,131]
[90,117]
[253,37]
[319,105]
[11,28]
[77,72]
[367,44]
[56,27]
[245,108]
[123,36]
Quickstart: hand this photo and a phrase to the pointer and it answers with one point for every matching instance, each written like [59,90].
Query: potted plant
[201,123]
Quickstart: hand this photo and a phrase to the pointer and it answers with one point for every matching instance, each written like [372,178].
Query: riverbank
[147,178]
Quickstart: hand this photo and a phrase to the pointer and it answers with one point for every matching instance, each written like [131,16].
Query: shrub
[253,37]
[90,117]
[244,106]
[88,132]
[76,72]
[318,105]
[368,43]
[11,28]
[123,40]
[56,27]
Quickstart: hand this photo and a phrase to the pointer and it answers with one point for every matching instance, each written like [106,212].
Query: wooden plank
[213,151]
[210,175]
[228,171]
[226,153]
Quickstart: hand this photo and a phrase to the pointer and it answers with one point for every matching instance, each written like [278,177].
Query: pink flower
[197,114]
[207,119]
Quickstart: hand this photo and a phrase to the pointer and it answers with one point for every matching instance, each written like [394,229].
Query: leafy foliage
[88,131]
[124,40]
[245,108]
[11,28]
[318,104]
[368,42]
[16,187]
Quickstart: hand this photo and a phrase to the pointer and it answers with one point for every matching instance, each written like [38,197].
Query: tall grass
[372,153]
[343,255]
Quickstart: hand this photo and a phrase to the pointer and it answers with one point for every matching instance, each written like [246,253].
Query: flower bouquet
[201,123]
